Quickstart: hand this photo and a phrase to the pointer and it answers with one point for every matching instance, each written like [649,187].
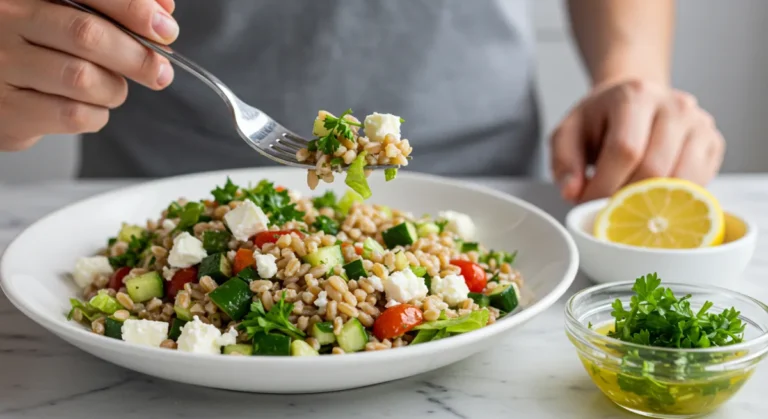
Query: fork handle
[186,64]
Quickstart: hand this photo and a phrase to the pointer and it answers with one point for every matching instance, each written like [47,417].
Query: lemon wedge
[663,213]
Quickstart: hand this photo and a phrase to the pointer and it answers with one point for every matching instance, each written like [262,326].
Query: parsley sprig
[276,204]
[135,253]
[337,127]
[276,319]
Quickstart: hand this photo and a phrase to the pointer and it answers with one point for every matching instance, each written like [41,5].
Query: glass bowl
[665,382]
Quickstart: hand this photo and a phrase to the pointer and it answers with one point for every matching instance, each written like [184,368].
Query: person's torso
[458,72]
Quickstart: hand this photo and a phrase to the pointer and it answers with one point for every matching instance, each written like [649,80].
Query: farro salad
[338,143]
[263,271]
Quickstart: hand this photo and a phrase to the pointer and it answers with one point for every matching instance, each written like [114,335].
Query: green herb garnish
[190,216]
[499,257]
[326,224]
[336,127]
[441,225]
[225,195]
[356,176]
[326,200]
[276,319]
[390,174]
[277,205]
[135,252]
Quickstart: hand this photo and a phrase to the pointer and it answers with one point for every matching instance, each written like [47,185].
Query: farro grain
[197,309]
[260,285]
[369,308]
[337,351]
[380,271]
[77,315]
[207,283]
[332,293]
[331,310]
[210,308]
[349,298]
[307,297]
[371,299]
[292,268]
[315,290]
[313,343]
[338,284]
[284,241]
[168,344]
[315,318]
[164,317]
[389,261]
[154,305]
[348,309]
[182,299]
[125,300]
[366,285]
[352,284]
[110,292]
[188,287]
[266,300]
[431,315]
[97,326]
[360,295]
[398,343]
[143,315]
[338,323]
[310,281]
[302,323]
[298,307]
[318,271]
[197,295]
[137,307]
[365,319]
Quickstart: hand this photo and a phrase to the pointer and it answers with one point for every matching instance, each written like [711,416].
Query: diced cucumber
[329,256]
[385,211]
[182,313]
[248,274]
[353,336]
[425,229]
[216,266]
[216,241]
[480,299]
[104,303]
[419,271]
[176,326]
[238,348]
[301,348]
[129,231]
[403,234]
[145,287]
[505,297]
[113,328]
[355,270]
[233,298]
[271,345]
[323,332]
[370,246]
[401,262]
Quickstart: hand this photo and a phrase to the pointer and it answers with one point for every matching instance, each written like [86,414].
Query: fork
[255,127]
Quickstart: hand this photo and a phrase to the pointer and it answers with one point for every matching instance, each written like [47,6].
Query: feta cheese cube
[377,125]
[246,220]
[405,286]
[229,338]
[88,268]
[265,265]
[187,251]
[144,332]
[322,300]
[198,337]
[459,224]
[391,303]
[376,283]
[168,225]
[452,288]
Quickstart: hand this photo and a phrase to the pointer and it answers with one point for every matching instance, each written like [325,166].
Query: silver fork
[258,129]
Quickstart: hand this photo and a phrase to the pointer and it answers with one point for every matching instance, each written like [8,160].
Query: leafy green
[390,174]
[174,210]
[336,127]
[499,256]
[276,319]
[346,201]
[441,225]
[277,204]
[228,193]
[425,335]
[326,200]
[190,215]
[135,252]
[104,303]
[326,224]
[466,323]
[356,176]
[89,312]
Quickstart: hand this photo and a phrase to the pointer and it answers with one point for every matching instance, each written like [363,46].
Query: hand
[62,70]
[630,131]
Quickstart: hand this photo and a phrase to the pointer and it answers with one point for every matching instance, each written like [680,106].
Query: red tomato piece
[280,189]
[181,277]
[271,236]
[243,259]
[473,274]
[396,321]
[116,280]
[358,250]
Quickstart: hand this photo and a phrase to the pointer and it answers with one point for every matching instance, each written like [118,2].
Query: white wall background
[721,55]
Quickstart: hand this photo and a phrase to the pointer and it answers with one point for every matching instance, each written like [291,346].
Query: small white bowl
[607,262]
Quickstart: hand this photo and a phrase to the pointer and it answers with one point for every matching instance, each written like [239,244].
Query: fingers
[56,73]
[168,5]
[630,118]
[53,115]
[146,17]
[568,157]
[701,155]
[94,39]
[668,134]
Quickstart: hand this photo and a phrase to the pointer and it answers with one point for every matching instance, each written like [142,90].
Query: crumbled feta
[88,268]
[199,337]
[265,265]
[322,300]
[458,223]
[144,332]
[391,303]
[452,288]
[229,338]
[187,251]
[376,283]
[246,220]
[405,286]
[168,224]
[378,125]
[168,273]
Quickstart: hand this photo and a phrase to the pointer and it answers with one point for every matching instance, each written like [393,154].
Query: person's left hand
[630,131]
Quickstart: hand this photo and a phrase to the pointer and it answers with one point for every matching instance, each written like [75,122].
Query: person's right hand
[62,70]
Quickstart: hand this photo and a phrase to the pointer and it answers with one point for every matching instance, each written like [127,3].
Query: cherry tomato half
[271,236]
[243,259]
[396,321]
[116,280]
[473,274]
[181,277]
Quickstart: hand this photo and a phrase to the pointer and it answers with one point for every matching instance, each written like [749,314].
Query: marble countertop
[42,376]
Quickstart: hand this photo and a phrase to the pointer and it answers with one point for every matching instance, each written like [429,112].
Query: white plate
[34,266]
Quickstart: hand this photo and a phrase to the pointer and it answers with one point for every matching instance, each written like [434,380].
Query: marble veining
[532,373]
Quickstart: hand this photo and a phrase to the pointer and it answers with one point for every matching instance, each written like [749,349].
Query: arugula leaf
[326,225]
[326,200]
[466,323]
[135,252]
[261,321]
[356,176]
[226,194]
[390,174]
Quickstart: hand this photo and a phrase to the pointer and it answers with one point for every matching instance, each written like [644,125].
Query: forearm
[624,39]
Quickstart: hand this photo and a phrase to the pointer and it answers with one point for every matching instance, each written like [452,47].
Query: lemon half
[663,213]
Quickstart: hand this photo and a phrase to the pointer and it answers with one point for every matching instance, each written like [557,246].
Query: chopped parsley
[337,127]
[277,204]
[500,257]
[174,210]
[276,319]
[441,225]
[326,200]
[190,216]
[228,193]
[326,224]
[135,252]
